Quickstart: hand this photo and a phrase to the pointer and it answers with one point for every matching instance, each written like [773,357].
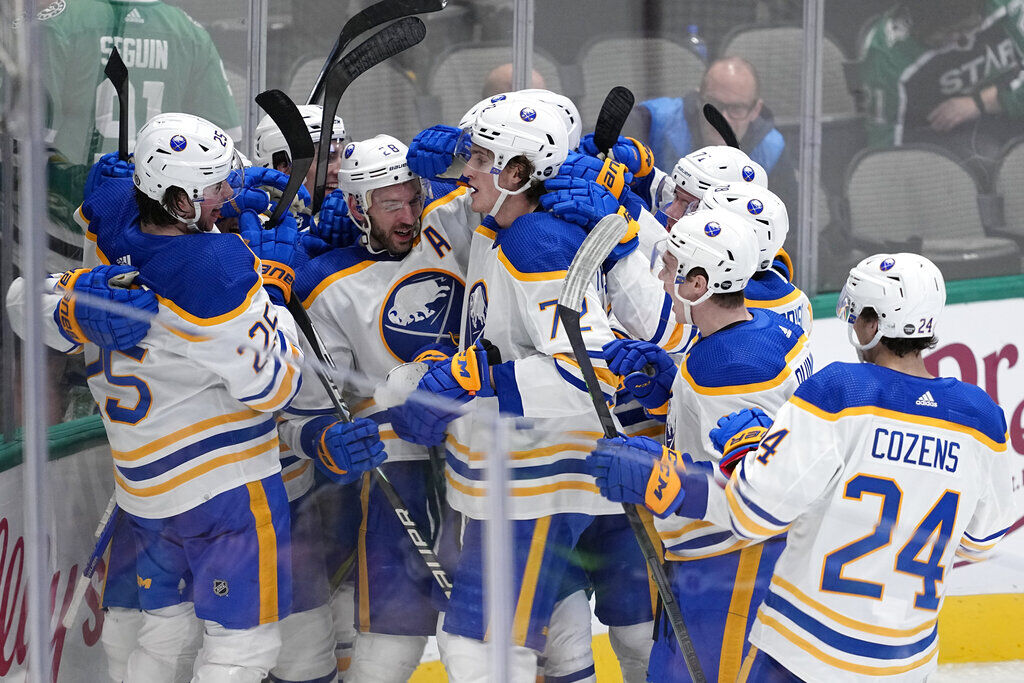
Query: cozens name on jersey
[140,53]
[915,449]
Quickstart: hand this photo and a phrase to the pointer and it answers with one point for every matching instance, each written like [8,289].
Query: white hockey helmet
[759,206]
[570,112]
[367,165]
[518,126]
[721,243]
[185,151]
[270,140]
[716,165]
[905,290]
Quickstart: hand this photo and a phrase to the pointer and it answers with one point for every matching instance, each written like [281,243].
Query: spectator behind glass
[675,126]
[946,72]
[499,80]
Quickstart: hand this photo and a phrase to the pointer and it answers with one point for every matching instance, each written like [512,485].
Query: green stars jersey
[172,63]
[905,79]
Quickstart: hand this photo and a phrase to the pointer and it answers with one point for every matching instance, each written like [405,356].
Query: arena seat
[921,199]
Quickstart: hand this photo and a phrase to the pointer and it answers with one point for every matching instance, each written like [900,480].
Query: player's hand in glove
[347,449]
[608,173]
[432,151]
[109,166]
[633,154]
[334,226]
[112,327]
[578,201]
[737,434]
[457,379]
[647,370]
[639,470]
[279,249]
[260,186]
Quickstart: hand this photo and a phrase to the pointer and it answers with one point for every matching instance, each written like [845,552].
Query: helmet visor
[846,307]
[228,189]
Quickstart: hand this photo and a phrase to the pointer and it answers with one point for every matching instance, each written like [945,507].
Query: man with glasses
[675,126]
[400,280]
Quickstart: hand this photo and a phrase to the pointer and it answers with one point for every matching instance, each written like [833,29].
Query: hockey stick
[385,43]
[594,250]
[300,145]
[117,72]
[617,105]
[297,136]
[721,126]
[104,530]
[373,16]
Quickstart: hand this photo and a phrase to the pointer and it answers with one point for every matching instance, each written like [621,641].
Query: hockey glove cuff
[87,320]
[737,434]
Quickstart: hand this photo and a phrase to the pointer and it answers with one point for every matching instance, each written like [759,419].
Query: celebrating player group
[300,396]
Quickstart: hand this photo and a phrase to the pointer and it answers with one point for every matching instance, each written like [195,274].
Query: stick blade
[603,237]
[115,70]
[286,115]
[618,103]
[721,126]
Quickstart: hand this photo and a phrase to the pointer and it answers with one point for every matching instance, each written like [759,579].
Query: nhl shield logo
[887,264]
[748,174]
[220,587]
[179,143]
[527,114]
[755,206]
[712,229]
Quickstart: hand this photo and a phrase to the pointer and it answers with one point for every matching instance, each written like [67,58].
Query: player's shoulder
[443,193]
[204,277]
[770,288]
[753,352]
[539,243]
[334,265]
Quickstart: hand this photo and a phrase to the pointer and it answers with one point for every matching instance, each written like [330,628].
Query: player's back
[895,469]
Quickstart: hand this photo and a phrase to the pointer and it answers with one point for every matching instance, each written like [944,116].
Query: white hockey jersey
[883,480]
[757,363]
[373,312]
[513,284]
[774,290]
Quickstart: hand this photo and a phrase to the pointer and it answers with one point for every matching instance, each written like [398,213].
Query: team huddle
[806,520]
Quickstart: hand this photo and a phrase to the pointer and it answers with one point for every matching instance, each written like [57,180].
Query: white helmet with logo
[367,165]
[570,112]
[270,140]
[184,151]
[721,243]
[716,165]
[520,126]
[761,207]
[905,290]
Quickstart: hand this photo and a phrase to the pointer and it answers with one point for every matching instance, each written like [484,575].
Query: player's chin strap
[504,193]
[191,224]
[863,347]
[686,303]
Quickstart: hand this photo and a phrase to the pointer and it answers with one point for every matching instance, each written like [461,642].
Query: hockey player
[406,285]
[204,501]
[744,358]
[518,257]
[771,287]
[699,171]
[883,474]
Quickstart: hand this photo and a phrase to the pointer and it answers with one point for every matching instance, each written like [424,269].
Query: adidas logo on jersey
[134,17]
[926,399]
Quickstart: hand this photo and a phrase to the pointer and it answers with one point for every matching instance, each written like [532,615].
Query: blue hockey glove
[109,166]
[347,449]
[333,225]
[279,249]
[432,151]
[578,201]
[633,154]
[83,319]
[260,188]
[634,359]
[611,174]
[737,434]
[438,351]
[639,470]
[458,379]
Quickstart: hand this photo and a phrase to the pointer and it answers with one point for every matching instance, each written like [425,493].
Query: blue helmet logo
[748,174]
[527,114]
[419,309]
[712,229]
[351,147]
[755,206]
[887,264]
[179,143]
[497,98]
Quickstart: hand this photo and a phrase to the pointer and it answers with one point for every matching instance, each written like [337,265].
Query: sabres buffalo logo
[421,308]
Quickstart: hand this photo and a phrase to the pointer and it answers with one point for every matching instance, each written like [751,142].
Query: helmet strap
[863,347]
